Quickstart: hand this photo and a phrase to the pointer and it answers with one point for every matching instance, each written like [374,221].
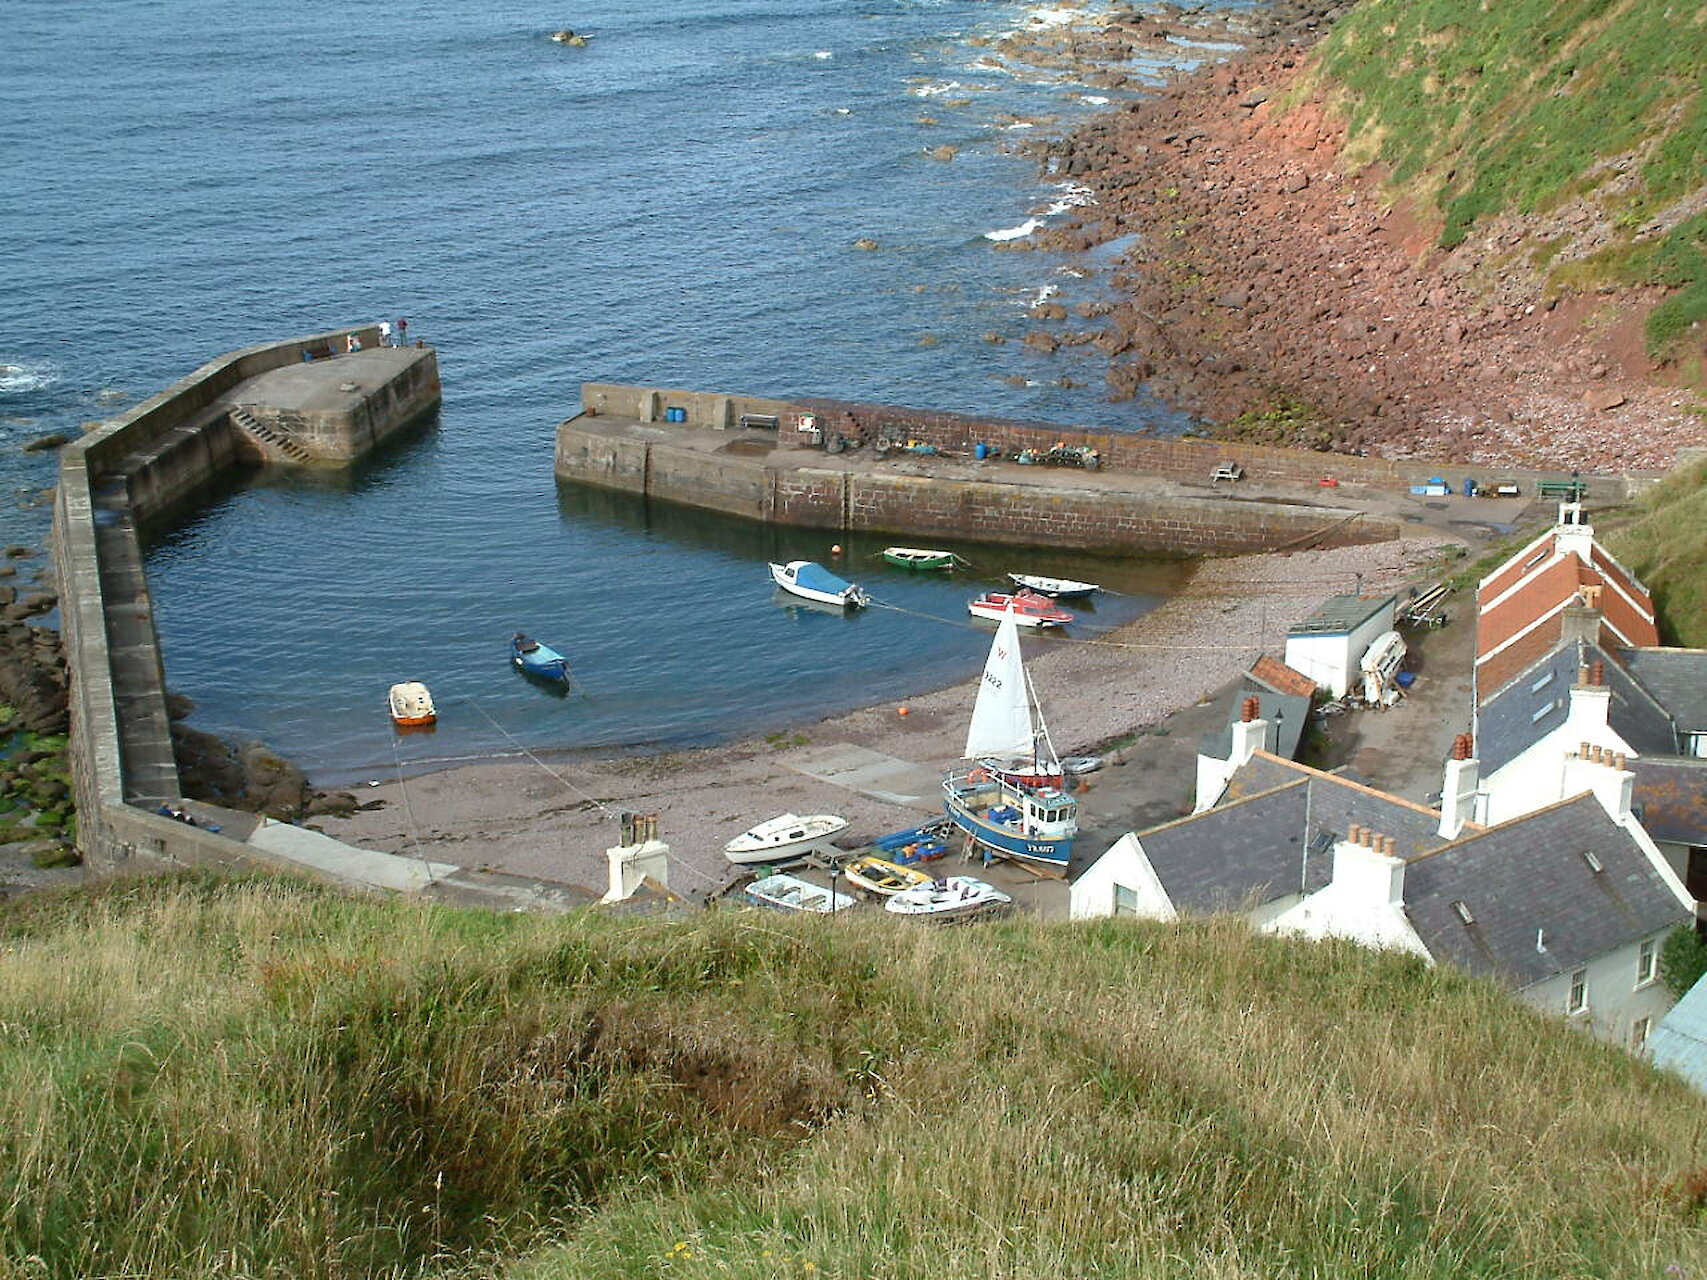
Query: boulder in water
[566,36]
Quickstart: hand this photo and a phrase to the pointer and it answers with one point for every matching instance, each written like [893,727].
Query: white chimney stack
[1458,790]
[640,857]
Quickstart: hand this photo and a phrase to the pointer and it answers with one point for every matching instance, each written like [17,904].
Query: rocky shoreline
[1276,292]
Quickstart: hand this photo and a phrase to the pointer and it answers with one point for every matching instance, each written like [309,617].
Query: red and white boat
[1027,607]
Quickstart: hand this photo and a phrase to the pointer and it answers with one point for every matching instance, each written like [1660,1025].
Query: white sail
[1001,718]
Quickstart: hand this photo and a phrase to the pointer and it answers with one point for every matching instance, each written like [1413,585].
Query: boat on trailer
[791,893]
[786,836]
[1010,799]
[1026,608]
[956,898]
[920,558]
[1054,588]
[411,705]
[812,581]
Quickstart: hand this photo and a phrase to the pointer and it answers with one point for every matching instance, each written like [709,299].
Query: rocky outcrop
[1273,284]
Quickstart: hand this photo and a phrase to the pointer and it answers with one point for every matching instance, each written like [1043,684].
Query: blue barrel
[675,415]
[980,451]
[1406,679]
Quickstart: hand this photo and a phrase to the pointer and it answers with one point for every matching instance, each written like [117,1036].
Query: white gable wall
[1124,864]
[1331,659]
[1537,777]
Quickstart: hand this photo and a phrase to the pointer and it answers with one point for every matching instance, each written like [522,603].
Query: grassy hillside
[204,1077]
[1530,106]
[1665,543]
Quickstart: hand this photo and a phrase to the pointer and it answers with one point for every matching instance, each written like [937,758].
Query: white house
[1328,645]
[1567,906]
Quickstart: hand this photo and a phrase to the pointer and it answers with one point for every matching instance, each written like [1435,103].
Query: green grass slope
[1524,106]
[1664,542]
[251,1077]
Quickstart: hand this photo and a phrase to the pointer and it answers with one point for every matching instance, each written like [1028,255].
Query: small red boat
[1028,608]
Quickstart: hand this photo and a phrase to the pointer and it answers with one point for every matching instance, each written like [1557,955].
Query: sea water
[677,203]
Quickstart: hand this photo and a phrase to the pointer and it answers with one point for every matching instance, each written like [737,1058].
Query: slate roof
[1341,615]
[1677,679]
[1286,716]
[1536,702]
[1679,1043]
[1530,875]
[1239,855]
[1671,798]
[1336,803]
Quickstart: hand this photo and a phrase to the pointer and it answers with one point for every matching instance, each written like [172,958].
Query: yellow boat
[882,877]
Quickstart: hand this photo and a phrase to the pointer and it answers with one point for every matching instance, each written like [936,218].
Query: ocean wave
[18,378]
[1073,196]
[1015,233]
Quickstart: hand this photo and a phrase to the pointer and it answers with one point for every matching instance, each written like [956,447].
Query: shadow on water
[410,451]
[861,555]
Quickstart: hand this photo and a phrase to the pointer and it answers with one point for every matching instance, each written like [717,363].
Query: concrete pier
[122,764]
[722,453]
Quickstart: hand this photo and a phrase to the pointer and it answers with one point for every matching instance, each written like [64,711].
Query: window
[1463,910]
[1544,710]
[1695,744]
[1125,901]
[1543,682]
[1639,1034]
[1578,1001]
[1594,863]
[1645,963]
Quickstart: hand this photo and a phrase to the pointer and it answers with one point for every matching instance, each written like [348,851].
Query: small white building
[1328,645]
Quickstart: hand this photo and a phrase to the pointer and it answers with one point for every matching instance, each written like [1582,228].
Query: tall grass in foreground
[257,1078]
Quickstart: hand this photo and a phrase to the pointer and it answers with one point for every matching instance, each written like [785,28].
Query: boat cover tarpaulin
[818,578]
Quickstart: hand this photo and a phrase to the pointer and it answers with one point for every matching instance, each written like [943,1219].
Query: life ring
[978,775]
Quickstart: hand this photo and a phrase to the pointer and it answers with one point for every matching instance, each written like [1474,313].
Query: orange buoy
[903,711]
[836,550]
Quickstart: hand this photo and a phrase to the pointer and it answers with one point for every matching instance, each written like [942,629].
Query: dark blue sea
[673,204]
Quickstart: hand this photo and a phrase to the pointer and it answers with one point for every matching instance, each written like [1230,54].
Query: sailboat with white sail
[1011,799]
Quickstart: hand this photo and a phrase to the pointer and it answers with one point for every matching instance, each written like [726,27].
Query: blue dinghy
[535,659]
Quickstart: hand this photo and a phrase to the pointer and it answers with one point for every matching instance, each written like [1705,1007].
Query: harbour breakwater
[129,469]
[868,468]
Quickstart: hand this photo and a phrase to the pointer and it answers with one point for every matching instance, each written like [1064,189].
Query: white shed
[1328,645]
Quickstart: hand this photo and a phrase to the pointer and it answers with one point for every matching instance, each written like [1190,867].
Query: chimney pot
[1582,750]
[1387,845]
[1599,672]
[1354,834]
[1248,710]
[1618,761]
[1582,674]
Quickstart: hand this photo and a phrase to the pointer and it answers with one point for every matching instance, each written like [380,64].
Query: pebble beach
[553,817]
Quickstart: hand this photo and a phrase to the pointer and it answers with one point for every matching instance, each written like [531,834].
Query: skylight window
[1594,864]
[1463,910]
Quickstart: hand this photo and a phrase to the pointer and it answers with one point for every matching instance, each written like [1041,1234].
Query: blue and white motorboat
[812,581]
[1011,800]
[1055,588]
[541,661]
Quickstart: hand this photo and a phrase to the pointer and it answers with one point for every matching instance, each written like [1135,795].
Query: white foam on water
[19,378]
[1094,99]
[936,90]
[1047,292]
[1073,196]
[823,54]
[1020,124]
[1015,233]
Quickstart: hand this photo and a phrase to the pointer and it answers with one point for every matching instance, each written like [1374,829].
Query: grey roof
[1530,875]
[1341,615]
[1285,713]
[1679,1043]
[1677,679]
[1671,797]
[1273,834]
[1533,704]
[1336,803]
[1240,855]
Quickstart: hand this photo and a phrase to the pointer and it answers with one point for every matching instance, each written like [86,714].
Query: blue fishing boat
[538,660]
[1012,800]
